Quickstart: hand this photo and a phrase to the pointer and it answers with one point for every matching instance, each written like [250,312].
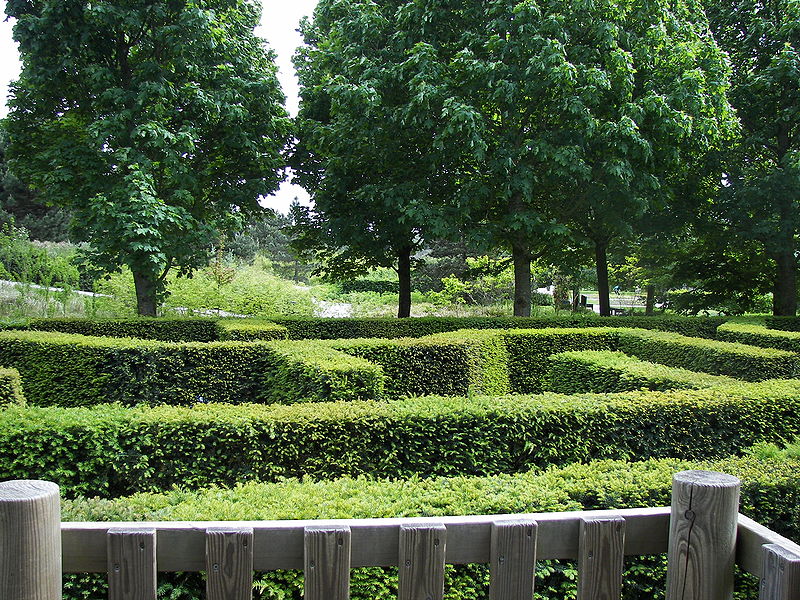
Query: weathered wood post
[702,536]
[30,541]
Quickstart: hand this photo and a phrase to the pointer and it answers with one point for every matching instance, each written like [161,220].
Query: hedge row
[770,494]
[162,329]
[75,370]
[610,372]
[10,388]
[205,330]
[112,450]
[757,334]
[714,357]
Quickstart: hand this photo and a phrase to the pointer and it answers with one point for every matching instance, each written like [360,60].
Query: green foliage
[757,334]
[26,262]
[111,450]
[770,494]
[75,370]
[367,285]
[250,330]
[10,388]
[710,356]
[166,330]
[609,372]
[448,364]
[158,124]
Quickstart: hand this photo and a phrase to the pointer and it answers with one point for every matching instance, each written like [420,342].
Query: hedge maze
[143,416]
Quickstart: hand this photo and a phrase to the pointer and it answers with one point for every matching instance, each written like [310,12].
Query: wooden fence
[702,533]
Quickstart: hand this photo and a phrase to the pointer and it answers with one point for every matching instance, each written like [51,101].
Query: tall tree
[364,151]
[159,124]
[761,199]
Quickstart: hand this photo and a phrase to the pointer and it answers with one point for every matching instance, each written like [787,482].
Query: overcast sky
[278,26]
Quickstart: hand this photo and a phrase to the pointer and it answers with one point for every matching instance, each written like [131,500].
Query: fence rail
[701,532]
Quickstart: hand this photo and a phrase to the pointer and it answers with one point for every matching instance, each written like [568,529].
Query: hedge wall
[318,328]
[715,357]
[770,494]
[757,334]
[447,364]
[10,388]
[111,450]
[162,329]
[75,370]
[250,330]
[609,372]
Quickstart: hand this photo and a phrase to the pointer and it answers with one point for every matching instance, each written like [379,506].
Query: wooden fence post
[30,541]
[702,536]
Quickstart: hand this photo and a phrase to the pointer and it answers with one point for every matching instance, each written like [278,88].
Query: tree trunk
[404,275]
[784,295]
[576,297]
[522,280]
[650,302]
[601,263]
[145,294]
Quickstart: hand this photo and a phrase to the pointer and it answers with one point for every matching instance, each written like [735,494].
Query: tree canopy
[159,124]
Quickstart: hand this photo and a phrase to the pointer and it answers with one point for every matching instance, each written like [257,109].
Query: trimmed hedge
[783,323]
[714,357]
[74,370]
[161,329]
[609,372]
[447,364]
[10,388]
[324,328]
[111,450]
[250,330]
[770,494]
[756,334]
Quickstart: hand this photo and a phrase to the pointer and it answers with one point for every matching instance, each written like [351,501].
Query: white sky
[278,26]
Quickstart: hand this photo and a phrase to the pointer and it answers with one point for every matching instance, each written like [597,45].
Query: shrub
[609,372]
[167,330]
[757,334]
[446,364]
[365,285]
[250,330]
[710,356]
[10,388]
[74,370]
[110,450]
[770,494]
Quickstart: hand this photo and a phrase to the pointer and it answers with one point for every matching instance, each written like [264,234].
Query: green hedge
[111,450]
[770,494]
[757,334]
[714,357]
[783,323]
[609,372]
[74,370]
[162,329]
[319,328]
[10,388]
[447,364]
[250,330]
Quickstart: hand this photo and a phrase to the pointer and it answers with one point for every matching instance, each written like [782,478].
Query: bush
[167,330]
[609,372]
[110,450]
[250,330]
[757,334]
[709,356]
[10,388]
[365,285]
[770,494]
[447,364]
[74,370]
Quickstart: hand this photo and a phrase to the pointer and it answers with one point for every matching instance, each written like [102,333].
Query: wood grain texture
[421,566]
[750,540]
[601,559]
[702,541]
[30,541]
[229,564]
[513,559]
[132,570]
[279,544]
[781,577]
[327,562]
